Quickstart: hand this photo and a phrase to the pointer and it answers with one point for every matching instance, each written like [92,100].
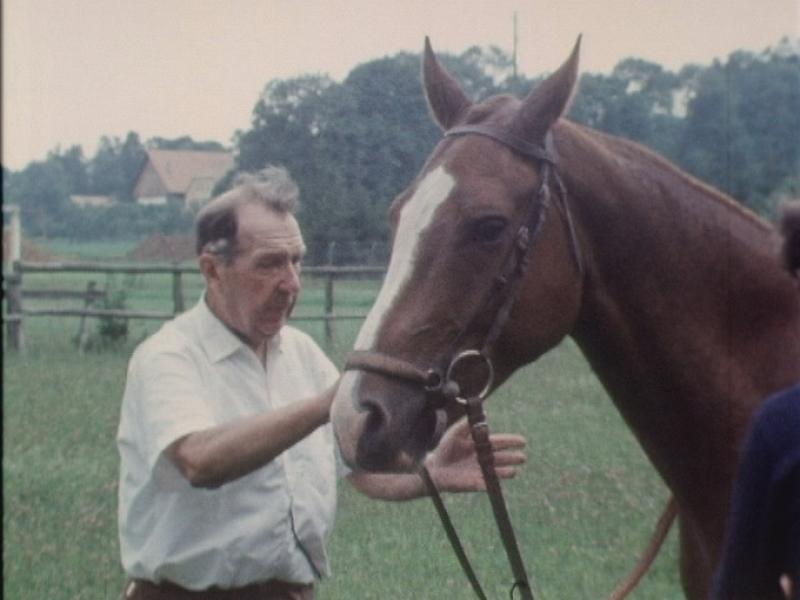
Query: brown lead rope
[452,535]
[627,585]
[483,449]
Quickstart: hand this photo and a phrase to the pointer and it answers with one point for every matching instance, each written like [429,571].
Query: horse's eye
[488,229]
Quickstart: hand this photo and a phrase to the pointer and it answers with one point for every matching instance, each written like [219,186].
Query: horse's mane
[616,148]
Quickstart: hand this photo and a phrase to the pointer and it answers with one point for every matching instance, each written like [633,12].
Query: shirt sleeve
[325,375]
[171,402]
[329,375]
[325,372]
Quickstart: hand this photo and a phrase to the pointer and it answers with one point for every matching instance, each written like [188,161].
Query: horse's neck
[685,308]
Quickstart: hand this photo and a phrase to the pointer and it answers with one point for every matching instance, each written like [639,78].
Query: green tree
[635,101]
[743,124]
[351,146]
[42,191]
[74,169]
[286,119]
[116,165]
[184,143]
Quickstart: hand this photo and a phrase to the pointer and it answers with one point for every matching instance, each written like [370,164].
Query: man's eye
[269,264]
[488,229]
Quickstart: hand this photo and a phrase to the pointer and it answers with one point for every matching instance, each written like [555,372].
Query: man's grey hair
[217,225]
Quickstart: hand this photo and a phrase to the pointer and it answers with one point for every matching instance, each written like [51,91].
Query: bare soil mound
[30,251]
[164,248]
[33,252]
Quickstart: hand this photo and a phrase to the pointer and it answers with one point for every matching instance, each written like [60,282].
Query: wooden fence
[16,293]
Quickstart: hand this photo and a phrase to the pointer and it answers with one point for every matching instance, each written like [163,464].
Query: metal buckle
[434,381]
[468,354]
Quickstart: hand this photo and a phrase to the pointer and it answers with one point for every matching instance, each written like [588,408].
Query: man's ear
[209,266]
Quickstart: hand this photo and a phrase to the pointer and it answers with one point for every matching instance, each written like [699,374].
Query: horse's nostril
[377,446]
[394,433]
[377,416]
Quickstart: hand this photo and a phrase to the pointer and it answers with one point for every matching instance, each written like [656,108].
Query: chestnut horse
[672,291]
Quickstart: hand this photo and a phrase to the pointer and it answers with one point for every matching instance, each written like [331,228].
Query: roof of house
[178,168]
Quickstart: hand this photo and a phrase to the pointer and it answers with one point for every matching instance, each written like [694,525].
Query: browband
[543,153]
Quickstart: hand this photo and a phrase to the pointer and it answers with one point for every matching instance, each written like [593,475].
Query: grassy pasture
[88,250]
[584,505]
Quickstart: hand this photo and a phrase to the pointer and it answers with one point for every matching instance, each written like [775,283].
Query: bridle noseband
[440,385]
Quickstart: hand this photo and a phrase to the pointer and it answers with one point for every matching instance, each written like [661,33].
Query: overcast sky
[74,70]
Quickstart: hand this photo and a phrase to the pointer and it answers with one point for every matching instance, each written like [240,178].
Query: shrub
[112,332]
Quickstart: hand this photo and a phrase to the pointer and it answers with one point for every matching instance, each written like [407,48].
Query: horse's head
[472,236]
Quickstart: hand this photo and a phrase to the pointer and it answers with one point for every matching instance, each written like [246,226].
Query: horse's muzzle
[384,426]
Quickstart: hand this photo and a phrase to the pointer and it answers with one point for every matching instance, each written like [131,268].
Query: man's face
[255,293]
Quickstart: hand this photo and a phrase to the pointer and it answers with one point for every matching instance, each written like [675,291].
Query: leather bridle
[440,384]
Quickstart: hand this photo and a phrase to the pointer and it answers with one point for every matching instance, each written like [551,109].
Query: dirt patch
[33,252]
[164,248]
[30,251]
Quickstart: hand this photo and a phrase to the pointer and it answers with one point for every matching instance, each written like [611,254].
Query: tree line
[353,145]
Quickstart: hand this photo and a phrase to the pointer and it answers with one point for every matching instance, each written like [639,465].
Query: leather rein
[440,384]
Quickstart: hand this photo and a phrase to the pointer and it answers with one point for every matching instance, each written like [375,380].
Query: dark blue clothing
[763,537]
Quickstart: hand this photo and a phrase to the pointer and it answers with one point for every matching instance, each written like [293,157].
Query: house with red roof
[186,177]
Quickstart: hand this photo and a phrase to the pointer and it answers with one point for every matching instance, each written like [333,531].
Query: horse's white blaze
[415,218]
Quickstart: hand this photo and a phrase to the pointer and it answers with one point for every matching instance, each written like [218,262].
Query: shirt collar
[219,341]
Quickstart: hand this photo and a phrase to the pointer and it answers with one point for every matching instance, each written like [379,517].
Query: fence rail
[16,311]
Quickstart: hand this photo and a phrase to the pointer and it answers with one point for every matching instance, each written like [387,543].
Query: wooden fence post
[14,282]
[82,338]
[177,291]
[12,246]
[329,309]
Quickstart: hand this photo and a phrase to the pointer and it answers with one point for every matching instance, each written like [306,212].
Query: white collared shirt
[194,374]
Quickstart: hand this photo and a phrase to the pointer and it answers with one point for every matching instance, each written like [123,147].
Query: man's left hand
[454,467]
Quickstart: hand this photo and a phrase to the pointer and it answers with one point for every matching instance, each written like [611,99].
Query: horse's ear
[445,97]
[548,101]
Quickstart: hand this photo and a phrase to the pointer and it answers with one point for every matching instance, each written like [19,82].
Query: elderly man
[228,465]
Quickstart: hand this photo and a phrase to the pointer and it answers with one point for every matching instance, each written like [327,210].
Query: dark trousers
[138,589]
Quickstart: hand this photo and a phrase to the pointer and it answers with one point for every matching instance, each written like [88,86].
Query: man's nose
[290,278]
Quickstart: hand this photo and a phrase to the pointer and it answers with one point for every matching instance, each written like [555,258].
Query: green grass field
[584,505]
[93,250]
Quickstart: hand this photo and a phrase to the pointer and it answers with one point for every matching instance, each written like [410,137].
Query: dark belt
[140,589]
